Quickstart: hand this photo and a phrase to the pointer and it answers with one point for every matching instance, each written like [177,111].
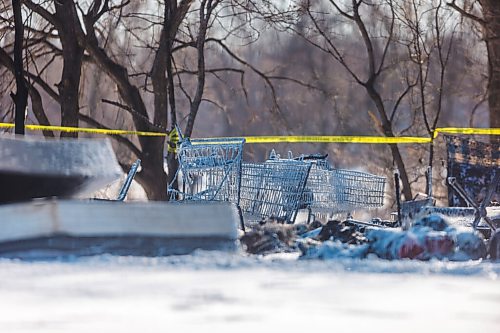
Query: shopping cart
[333,191]
[273,189]
[356,189]
[209,169]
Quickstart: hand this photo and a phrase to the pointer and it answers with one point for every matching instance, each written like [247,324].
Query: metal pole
[398,195]
[429,181]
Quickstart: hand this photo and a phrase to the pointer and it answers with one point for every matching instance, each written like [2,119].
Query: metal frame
[128,181]
[470,154]
[126,184]
[473,166]
[273,189]
[329,190]
[209,169]
[479,210]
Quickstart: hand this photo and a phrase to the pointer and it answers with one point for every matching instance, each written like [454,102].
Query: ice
[224,292]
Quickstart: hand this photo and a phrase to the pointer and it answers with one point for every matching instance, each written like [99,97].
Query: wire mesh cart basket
[273,189]
[332,191]
[209,169]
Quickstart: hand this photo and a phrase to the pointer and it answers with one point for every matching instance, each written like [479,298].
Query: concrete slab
[92,227]
[34,167]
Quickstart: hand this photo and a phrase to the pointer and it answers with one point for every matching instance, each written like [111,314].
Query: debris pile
[429,237]
[271,236]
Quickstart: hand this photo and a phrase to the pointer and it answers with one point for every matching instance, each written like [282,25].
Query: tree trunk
[69,87]
[21,96]
[152,177]
[200,47]
[398,160]
[387,127]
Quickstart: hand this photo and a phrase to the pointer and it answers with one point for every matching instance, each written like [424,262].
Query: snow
[82,157]
[234,292]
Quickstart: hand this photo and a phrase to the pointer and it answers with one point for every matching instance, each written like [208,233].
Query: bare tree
[159,44]
[429,48]
[486,13]
[27,79]
[79,31]
[21,95]
[65,20]
[322,35]
[356,65]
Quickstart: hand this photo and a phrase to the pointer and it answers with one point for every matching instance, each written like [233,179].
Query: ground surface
[219,292]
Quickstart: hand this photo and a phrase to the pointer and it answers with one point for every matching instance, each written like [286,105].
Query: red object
[410,249]
[442,244]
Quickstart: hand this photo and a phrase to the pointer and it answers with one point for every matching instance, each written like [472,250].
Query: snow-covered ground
[221,292]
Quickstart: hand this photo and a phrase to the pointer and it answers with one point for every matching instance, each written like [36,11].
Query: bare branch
[466,13]
[389,40]
[49,17]
[134,114]
[409,87]
[254,69]
[332,50]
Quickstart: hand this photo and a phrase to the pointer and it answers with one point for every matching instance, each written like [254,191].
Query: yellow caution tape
[365,139]
[173,135]
[336,139]
[468,131]
[173,139]
[219,140]
[84,130]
